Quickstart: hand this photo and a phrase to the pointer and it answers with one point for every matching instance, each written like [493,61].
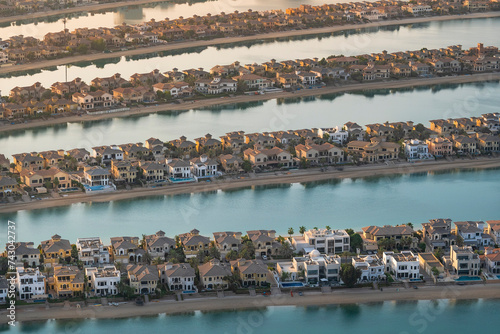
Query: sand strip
[304,175]
[229,40]
[341,296]
[394,84]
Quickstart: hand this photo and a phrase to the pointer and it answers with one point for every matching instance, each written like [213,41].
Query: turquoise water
[294,284]
[354,203]
[468,278]
[354,42]
[420,105]
[394,317]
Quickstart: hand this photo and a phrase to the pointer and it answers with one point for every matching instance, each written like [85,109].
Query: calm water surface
[354,203]
[395,38]
[419,105]
[139,14]
[395,317]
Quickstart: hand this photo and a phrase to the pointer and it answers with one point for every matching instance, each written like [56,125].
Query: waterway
[349,203]
[397,317]
[138,14]
[417,104]
[352,42]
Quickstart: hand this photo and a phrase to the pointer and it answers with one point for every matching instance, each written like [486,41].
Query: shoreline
[393,84]
[77,9]
[214,304]
[298,176]
[229,40]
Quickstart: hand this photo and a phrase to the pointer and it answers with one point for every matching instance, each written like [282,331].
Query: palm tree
[328,227]
[302,229]
[290,231]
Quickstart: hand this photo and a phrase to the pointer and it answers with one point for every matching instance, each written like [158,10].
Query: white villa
[404,265]
[29,283]
[103,281]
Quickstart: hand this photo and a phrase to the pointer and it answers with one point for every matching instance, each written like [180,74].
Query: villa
[324,153]
[193,243]
[227,241]
[264,242]
[404,265]
[212,274]
[325,241]
[158,245]
[29,283]
[372,268]
[25,254]
[103,281]
[178,276]
[67,281]
[251,272]
[143,278]
[316,268]
[126,250]
[55,249]
[463,261]
[91,251]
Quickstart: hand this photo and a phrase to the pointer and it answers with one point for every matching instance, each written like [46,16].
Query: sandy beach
[340,296]
[395,84]
[228,40]
[85,8]
[298,176]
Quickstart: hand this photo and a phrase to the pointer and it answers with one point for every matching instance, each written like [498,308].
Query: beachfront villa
[26,254]
[143,278]
[492,260]
[250,272]
[55,249]
[430,264]
[315,267]
[158,245]
[4,289]
[372,268]
[212,274]
[404,265]
[227,241]
[396,233]
[326,241]
[126,250]
[264,242]
[66,282]
[178,276]
[437,235]
[91,251]
[103,281]
[472,233]
[463,261]
[30,283]
[193,243]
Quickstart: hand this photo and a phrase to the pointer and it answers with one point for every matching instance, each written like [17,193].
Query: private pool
[189,291]
[67,190]
[93,188]
[292,284]
[181,180]
[468,278]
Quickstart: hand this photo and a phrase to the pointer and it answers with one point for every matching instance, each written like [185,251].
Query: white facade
[419,9]
[4,289]
[372,269]
[103,281]
[404,265]
[416,149]
[203,167]
[328,241]
[91,251]
[29,283]
[335,134]
[178,276]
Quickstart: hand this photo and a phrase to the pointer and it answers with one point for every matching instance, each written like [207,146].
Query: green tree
[460,241]
[98,44]
[125,290]
[74,252]
[349,275]
[82,49]
[290,231]
[246,165]
[285,250]
[302,229]
[328,227]
[213,252]
[422,246]
[356,242]
[232,255]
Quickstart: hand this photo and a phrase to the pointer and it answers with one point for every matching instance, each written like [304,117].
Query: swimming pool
[292,284]
[181,180]
[94,188]
[67,190]
[189,291]
[468,278]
